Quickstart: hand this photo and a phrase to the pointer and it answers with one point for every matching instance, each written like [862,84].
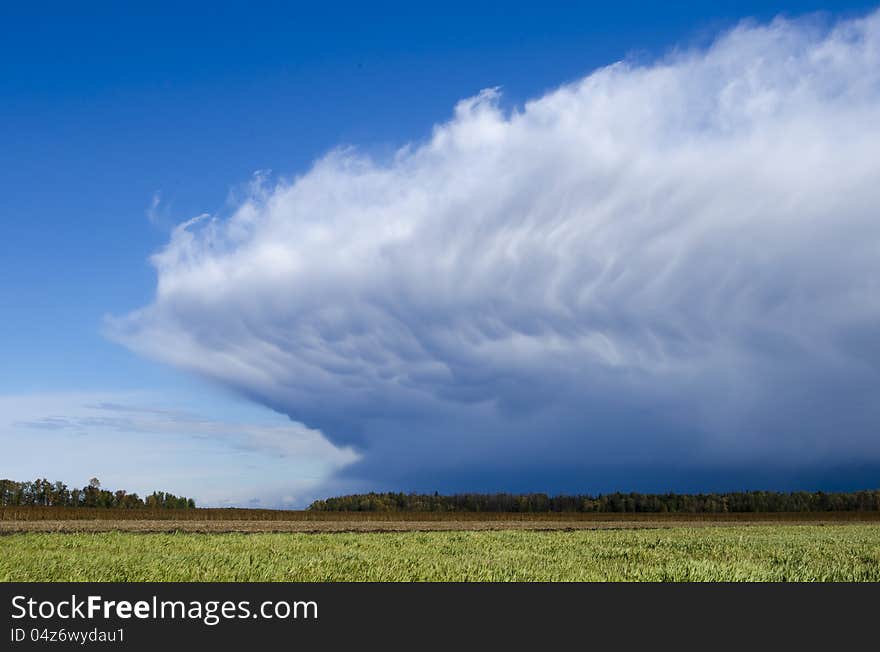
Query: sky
[258,254]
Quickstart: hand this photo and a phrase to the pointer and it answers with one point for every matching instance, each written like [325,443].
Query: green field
[744,553]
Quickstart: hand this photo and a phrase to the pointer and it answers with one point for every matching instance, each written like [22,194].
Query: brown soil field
[240,514]
[48,519]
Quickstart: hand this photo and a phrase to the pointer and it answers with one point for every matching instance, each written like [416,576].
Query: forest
[713,503]
[57,494]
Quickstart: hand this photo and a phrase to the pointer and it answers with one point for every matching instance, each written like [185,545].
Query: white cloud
[662,264]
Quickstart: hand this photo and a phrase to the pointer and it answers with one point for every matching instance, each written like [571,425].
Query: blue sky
[115,127]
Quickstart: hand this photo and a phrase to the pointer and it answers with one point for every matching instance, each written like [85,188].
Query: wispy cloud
[655,266]
[152,211]
[135,442]
[287,439]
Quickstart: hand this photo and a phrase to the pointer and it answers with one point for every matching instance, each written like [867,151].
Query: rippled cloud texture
[655,270]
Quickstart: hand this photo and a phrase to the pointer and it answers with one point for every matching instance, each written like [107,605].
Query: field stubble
[67,519]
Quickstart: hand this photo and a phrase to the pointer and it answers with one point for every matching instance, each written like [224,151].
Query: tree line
[45,493]
[715,503]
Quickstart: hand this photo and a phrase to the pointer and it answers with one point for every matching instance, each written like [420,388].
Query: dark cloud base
[645,479]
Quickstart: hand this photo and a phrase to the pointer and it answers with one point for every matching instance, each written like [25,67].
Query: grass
[743,553]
